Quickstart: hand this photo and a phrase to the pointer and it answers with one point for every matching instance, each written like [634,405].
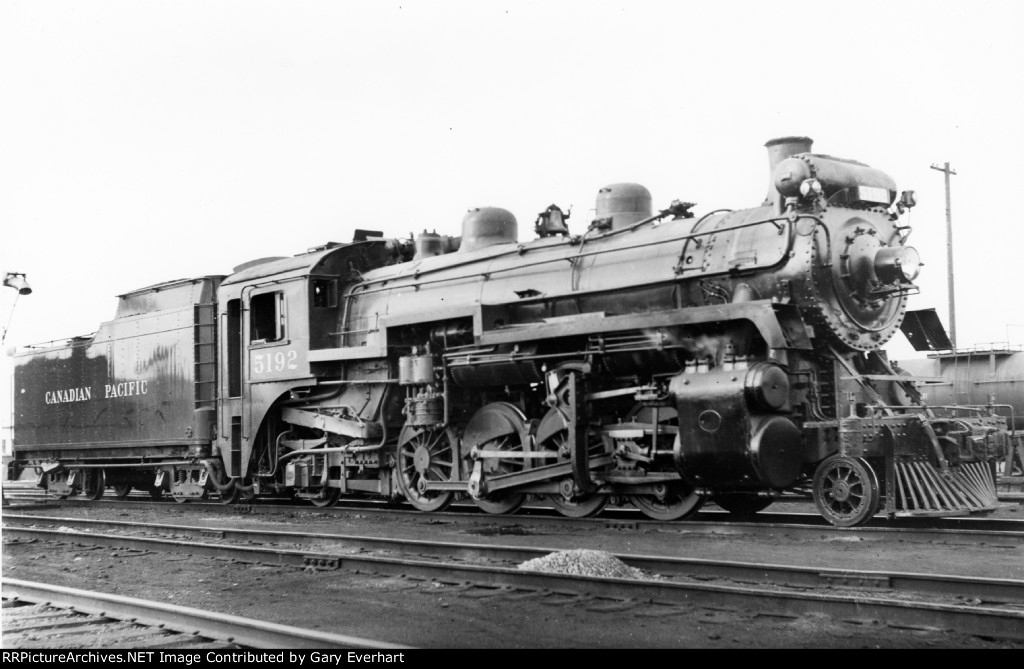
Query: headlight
[810,187]
[899,264]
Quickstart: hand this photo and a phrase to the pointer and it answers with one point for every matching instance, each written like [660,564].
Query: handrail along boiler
[657,359]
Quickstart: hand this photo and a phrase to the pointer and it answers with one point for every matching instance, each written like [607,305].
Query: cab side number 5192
[274,361]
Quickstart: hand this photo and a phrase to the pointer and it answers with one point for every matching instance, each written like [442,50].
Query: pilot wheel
[846,491]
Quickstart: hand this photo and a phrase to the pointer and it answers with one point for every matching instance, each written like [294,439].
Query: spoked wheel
[553,437]
[497,427]
[329,497]
[121,490]
[672,501]
[426,456]
[846,491]
[742,503]
[93,483]
[500,503]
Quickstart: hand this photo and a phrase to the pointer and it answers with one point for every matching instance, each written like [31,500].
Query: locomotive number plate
[276,363]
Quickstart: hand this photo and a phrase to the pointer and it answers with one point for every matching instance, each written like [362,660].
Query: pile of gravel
[585,562]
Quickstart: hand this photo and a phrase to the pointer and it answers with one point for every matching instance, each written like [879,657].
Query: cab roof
[299,265]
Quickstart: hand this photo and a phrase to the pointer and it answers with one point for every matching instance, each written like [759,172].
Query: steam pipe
[213,469]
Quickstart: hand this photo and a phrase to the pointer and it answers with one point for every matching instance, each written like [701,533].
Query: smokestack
[778,150]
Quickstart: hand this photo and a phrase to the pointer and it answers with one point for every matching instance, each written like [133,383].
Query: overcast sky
[146,141]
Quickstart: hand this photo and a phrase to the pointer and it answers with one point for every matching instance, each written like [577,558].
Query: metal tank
[980,376]
[487,226]
[133,386]
[621,205]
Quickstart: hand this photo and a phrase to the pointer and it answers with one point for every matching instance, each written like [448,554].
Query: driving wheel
[495,429]
[553,439]
[671,501]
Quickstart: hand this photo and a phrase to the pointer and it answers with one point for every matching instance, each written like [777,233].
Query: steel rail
[1000,532]
[235,629]
[1010,590]
[753,591]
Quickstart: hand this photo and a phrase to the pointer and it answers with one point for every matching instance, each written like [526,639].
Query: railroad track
[37,615]
[989,607]
[23,492]
[988,531]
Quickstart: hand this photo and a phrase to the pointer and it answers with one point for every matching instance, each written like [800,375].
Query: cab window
[325,293]
[266,318]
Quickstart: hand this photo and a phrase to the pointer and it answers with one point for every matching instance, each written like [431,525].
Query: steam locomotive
[656,358]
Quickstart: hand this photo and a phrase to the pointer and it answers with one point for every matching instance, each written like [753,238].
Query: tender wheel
[846,491]
[57,482]
[329,497]
[426,455]
[93,483]
[497,427]
[742,503]
[181,499]
[673,501]
[121,490]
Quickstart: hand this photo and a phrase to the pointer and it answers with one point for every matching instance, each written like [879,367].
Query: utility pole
[949,254]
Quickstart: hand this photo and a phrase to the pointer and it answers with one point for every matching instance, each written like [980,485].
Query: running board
[924,490]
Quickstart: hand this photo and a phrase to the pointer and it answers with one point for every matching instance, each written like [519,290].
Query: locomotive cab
[279,322]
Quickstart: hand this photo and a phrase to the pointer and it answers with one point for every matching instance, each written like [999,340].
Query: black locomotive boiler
[657,358]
